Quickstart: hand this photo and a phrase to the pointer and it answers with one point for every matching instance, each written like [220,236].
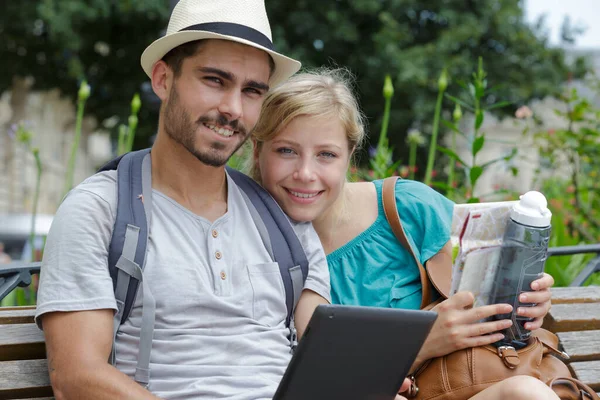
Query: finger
[538,311]
[483,340]
[398,397]
[540,296]
[485,328]
[484,312]
[405,385]
[535,324]
[462,300]
[545,282]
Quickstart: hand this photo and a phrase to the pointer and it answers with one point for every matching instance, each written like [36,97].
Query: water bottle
[522,259]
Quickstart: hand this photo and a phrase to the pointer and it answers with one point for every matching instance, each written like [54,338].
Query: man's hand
[457,326]
[541,297]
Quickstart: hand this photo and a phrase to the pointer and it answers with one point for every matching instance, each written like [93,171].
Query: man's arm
[78,346]
[307,304]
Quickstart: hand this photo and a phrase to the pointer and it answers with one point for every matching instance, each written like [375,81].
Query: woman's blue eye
[285,150]
[328,154]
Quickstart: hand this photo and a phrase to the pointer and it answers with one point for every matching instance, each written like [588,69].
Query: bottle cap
[532,209]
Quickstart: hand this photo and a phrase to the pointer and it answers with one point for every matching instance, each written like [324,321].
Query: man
[220,308]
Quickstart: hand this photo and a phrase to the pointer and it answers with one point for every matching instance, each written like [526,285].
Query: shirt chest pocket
[268,294]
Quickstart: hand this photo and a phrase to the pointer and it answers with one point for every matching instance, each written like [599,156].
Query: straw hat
[242,21]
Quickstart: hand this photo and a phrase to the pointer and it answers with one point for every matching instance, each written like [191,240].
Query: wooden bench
[575,317]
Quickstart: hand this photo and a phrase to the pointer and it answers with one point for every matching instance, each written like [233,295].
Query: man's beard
[181,129]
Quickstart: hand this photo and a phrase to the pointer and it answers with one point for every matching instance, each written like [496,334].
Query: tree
[59,42]
[413,40]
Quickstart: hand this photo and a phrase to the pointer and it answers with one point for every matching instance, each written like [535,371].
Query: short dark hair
[174,58]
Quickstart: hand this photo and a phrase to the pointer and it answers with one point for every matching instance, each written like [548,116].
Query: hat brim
[284,66]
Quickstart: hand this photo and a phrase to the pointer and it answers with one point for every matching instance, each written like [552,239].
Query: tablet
[352,352]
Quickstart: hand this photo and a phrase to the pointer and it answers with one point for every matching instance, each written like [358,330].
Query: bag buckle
[413,390]
[509,355]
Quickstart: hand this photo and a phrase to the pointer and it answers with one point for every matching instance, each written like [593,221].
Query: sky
[584,12]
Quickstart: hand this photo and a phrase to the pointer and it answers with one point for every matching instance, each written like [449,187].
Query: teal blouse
[373,269]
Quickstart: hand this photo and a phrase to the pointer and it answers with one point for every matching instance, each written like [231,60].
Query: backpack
[127,250]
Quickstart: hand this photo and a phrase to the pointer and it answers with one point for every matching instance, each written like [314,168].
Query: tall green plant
[477,90]
[82,95]
[24,137]
[382,163]
[442,85]
[127,133]
[575,150]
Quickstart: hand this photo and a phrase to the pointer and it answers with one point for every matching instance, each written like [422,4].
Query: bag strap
[390,210]
[576,385]
[279,238]
[127,251]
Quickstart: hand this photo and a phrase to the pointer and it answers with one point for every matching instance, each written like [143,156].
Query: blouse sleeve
[426,217]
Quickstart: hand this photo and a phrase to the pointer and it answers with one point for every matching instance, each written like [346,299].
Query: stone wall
[51,119]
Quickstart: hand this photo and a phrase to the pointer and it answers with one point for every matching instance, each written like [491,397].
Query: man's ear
[161,79]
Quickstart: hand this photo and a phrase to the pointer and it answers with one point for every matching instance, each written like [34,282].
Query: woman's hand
[541,297]
[457,326]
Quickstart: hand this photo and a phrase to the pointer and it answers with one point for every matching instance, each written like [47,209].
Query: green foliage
[414,40]
[477,90]
[575,195]
[59,42]
[127,133]
[382,163]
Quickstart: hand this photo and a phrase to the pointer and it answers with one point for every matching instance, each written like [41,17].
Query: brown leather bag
[464,373]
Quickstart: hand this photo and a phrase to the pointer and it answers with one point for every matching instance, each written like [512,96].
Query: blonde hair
[319,93]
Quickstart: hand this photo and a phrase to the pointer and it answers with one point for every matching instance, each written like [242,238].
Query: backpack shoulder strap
[279,237]
[127,250]
[134,195]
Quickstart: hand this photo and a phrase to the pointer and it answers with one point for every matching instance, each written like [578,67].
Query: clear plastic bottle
[522,260]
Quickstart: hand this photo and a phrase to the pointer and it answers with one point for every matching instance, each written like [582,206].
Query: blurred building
[51,120]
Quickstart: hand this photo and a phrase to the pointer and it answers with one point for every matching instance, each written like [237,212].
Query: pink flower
[523,112]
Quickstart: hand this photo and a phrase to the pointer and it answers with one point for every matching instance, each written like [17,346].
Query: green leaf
[500,104]
[461,102]
[454,128]
[474,174]
[478,145]
[452,155]
[478,119]
[473,200]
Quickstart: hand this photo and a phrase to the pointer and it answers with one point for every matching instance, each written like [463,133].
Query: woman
[303,143]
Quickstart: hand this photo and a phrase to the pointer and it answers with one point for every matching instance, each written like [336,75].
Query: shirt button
[215,233]
[218,255]
[223,275]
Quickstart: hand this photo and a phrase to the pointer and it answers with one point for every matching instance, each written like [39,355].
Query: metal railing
[16,274]
[589,269]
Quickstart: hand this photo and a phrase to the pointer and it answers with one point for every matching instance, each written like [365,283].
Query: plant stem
[451,166]
[36,196]
[74,147]
[434,136]
[412,160]
[386,121]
